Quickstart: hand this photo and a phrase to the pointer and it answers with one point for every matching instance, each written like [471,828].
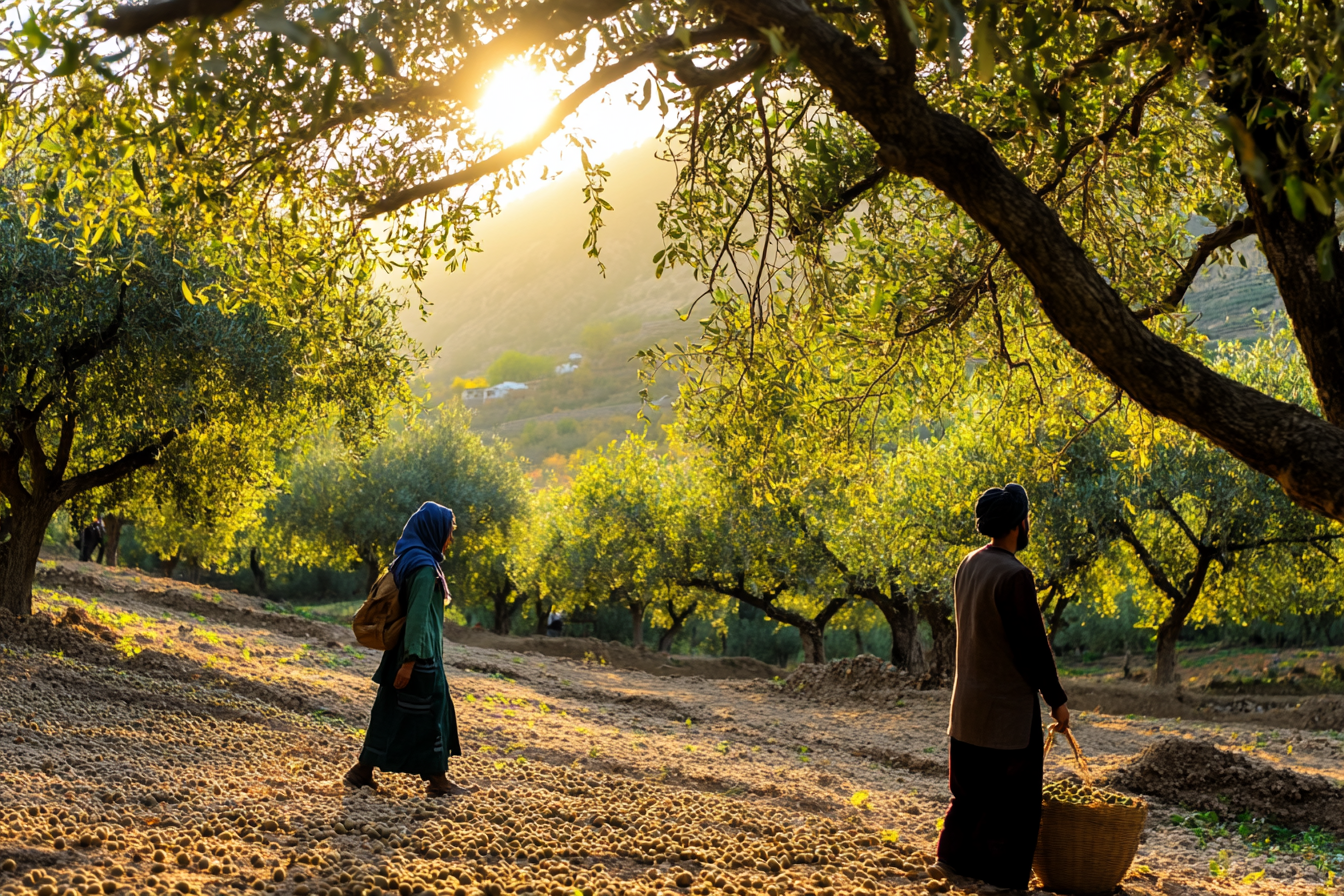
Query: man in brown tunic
[995,759]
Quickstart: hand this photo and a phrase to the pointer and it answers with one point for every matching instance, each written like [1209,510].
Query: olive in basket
[1078,793]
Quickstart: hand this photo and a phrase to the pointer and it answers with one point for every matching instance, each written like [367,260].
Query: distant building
[571,365]
[492,392]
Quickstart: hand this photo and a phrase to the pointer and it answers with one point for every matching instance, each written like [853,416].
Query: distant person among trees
[413,727]
[996,756]
[555,624]
[94,535]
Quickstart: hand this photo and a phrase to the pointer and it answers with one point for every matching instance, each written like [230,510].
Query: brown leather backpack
[379,622]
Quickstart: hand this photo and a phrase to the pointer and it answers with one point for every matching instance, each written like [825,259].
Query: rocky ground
[163,738]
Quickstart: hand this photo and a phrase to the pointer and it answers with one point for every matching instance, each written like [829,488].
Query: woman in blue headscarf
[413,727]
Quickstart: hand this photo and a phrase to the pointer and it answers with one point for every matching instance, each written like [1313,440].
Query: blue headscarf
[421,541]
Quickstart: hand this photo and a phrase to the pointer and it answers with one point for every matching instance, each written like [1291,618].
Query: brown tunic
[1003,656]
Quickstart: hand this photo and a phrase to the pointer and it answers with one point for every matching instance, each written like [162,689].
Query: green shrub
[597,337]
[519,368]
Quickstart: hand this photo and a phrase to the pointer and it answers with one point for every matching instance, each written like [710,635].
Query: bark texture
[678,624]
[942,656]
[903,620]
[18,556]
[33,499]
[114,523]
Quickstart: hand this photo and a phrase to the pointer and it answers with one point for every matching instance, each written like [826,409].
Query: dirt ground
[616,655]
[163,738]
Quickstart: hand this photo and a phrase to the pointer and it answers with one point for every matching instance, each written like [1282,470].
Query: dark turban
[998,510]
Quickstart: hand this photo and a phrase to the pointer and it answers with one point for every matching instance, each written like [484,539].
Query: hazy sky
[519,98]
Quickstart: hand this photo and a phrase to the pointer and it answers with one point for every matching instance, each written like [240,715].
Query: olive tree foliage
[122,350]
[757,547]
[1130,502]
[203,504]
[340,510]
[1207,539]
[852,180]
[624,533]
[897,524]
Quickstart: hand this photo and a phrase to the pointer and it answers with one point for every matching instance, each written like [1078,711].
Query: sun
[516,102]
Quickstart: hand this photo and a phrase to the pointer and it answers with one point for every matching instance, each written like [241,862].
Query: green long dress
[414,730]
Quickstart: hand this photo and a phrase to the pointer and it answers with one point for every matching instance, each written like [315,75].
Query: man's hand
[404,677]
[1061,716]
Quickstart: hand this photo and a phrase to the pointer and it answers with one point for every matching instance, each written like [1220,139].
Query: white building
[571,365]
[492,392]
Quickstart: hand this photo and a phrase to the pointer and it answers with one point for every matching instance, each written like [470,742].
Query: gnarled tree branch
[130,19]
[128,463]
[1226,235]
[1304,453]
[692,75]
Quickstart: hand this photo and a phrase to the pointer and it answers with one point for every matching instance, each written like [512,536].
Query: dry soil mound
[1197,774]
[74,634]
[865,678]
[1321,712]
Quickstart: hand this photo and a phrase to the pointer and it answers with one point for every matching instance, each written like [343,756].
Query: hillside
[1229,298]
[533,288]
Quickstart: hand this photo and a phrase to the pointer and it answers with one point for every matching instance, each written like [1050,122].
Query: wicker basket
[1086,849]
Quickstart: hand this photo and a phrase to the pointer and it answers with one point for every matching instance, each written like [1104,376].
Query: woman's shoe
[360,775]
[441,785]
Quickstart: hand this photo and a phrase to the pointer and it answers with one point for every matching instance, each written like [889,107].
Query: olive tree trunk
[27,528]
[903,620]
[636,622]
[505,604]
[258,571]
[941,660]
[678,625]
[1165,672]
[1182,599]
[113,522]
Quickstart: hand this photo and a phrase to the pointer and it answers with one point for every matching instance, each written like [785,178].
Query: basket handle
[1083,770]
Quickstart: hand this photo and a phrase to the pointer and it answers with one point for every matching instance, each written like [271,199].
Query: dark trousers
[991,825]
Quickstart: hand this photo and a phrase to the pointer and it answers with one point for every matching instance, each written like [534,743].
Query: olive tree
[620,530]
[756,547]
[122,353]
[1214,539]
[341,509]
